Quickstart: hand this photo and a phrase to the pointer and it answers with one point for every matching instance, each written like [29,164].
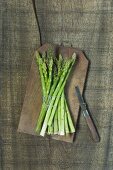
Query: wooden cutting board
[33,97]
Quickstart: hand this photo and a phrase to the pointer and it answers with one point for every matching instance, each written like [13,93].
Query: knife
[87,116]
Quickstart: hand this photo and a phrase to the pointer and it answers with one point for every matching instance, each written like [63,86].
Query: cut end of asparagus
[62,133]
[55,133]
[74,56]
[42,133]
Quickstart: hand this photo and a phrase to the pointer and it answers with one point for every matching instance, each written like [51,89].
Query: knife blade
[87,116]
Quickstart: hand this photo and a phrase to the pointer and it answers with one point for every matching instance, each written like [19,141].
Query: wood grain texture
[33,98]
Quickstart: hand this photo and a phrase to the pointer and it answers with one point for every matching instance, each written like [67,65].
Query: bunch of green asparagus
[54,117]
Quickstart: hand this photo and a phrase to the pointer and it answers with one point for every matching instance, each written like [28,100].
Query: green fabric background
[84,24]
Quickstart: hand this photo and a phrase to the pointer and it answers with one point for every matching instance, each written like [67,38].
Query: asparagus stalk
[50,76]
[40,63]
[56,93]
[59,117]
[44,68]
[55,125]
[65,116]
[66,124]
[62,132]
[51,129]
[48,130]
[71,126]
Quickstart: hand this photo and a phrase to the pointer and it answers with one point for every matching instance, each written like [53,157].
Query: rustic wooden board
[33,98]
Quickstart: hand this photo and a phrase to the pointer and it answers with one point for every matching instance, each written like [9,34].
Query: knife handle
[92,128]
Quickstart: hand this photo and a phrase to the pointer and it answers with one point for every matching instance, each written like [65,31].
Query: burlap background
[84,24]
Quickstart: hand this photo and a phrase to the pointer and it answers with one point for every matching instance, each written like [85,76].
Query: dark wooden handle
[92,128]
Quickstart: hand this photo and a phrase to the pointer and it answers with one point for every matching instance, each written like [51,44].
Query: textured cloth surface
[84,24]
